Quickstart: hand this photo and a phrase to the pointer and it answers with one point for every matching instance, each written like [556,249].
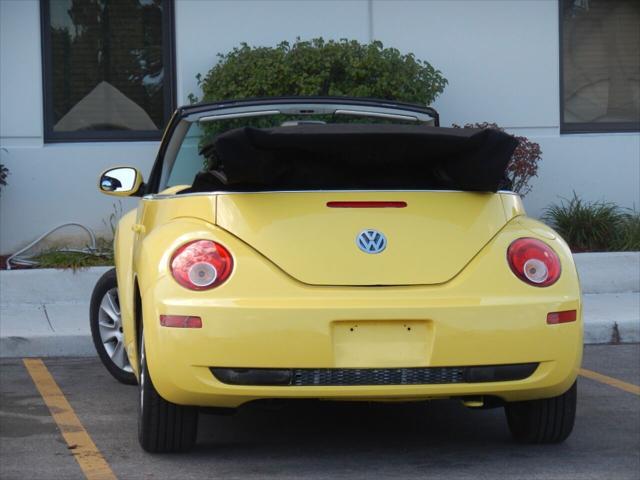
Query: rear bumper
[330,328]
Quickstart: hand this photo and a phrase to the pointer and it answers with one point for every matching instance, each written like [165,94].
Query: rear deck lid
[428,236]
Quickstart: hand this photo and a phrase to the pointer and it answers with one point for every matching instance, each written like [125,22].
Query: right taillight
[534,262]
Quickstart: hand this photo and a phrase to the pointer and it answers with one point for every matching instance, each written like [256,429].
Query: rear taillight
[534,262]
[201,265]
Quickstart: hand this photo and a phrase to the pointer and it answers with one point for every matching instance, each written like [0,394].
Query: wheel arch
[123,244]
[137,322]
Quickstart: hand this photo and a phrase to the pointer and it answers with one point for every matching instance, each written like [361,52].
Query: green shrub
[628,236]
[594,226]
[319,67]
[73,260]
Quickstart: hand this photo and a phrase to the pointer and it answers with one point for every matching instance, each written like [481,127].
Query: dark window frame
[584,127]
[169,86]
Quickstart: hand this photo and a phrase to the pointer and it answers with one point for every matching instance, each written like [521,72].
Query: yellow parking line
[614,382]
[78,440]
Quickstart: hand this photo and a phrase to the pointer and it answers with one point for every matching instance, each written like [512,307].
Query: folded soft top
[357,156]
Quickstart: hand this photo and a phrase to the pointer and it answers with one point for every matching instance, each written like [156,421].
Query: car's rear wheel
[549,420]
[106,328]
[163,427]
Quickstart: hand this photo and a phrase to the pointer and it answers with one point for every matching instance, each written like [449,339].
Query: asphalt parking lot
[317,439]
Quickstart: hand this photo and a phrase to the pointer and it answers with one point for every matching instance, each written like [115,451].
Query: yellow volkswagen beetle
[335,248]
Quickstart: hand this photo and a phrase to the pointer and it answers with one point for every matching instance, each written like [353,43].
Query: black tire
[120,371]
[549,420]
[163,427]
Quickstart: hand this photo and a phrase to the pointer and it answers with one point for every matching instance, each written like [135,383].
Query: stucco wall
[54,183]
[502,62]
[501,59]
[204,29]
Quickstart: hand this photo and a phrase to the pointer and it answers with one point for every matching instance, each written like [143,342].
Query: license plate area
[381,343]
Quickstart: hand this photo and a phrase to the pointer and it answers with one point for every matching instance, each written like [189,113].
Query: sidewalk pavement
[46,312]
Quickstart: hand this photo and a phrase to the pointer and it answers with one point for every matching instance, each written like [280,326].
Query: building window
[600,65]
[108,69]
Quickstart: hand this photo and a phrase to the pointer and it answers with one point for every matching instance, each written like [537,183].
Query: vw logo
[371,241]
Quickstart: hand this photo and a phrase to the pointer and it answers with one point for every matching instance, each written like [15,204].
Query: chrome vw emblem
[371,241]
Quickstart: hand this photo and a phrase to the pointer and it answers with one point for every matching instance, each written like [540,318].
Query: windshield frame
[184,116]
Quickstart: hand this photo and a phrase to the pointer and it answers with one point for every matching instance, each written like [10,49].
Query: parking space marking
[91,461]
[614,382]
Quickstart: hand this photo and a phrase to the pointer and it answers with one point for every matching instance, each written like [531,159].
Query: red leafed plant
[524,161]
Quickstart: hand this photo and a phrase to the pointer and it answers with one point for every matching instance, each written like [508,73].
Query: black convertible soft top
[357,156]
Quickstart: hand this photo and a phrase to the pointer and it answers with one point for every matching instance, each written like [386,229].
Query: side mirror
[120,181]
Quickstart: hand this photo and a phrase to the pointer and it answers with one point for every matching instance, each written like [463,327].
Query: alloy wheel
[110,327]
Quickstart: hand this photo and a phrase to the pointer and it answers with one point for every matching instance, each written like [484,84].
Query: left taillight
[201,265]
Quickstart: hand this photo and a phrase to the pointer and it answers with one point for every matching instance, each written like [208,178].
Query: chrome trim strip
[161,196]
[391,116]
[303,108]
[227,116]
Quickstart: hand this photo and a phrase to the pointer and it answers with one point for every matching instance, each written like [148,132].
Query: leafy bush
[319,67]
[594,226]
[524,161]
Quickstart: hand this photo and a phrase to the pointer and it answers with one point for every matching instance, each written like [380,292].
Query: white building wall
[502,62]
[49,184]
[500,57]
[203,29]
[20,72]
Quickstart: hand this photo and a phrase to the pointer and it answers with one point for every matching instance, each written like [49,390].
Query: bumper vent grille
[309,377]
[376,376]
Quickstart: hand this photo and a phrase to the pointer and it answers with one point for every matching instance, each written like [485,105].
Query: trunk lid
[428,241]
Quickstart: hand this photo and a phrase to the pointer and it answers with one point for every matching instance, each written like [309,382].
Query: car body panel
[428,242]
[264,318]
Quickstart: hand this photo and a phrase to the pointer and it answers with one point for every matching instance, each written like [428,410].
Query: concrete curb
[45,312]
[608,272]
[611,317]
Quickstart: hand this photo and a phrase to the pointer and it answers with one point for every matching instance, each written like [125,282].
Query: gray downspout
[370,19]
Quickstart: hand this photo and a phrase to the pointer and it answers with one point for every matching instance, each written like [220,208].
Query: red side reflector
[366,204]
[554,318]
[180,321]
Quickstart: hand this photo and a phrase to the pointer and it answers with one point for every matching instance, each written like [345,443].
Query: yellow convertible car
[336,249]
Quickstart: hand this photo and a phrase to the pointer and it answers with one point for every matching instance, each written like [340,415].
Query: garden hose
[19,258]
